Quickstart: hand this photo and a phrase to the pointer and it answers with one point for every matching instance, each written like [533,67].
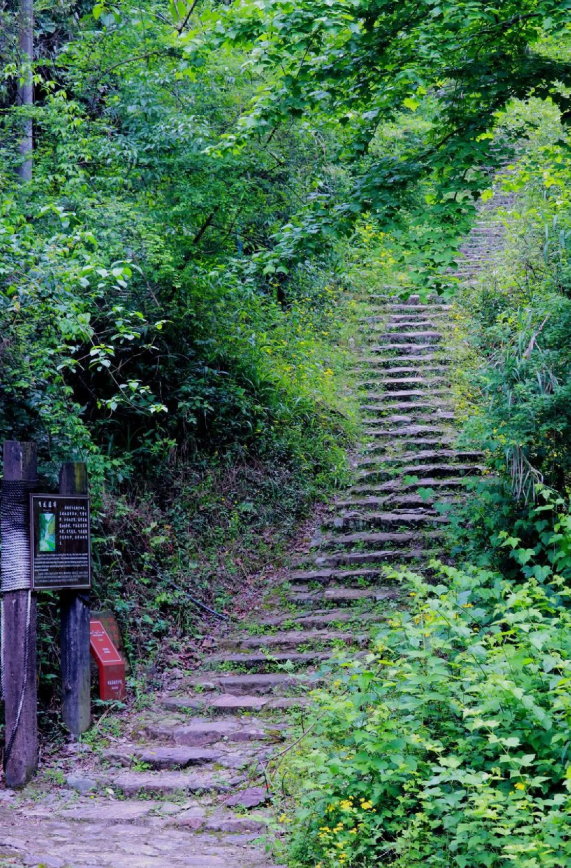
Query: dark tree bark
[26,85]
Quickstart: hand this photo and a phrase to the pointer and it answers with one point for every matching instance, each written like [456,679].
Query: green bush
[448,744]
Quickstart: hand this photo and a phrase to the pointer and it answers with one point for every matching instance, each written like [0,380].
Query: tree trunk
[26,85]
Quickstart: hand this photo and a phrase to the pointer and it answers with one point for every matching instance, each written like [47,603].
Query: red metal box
[109,662]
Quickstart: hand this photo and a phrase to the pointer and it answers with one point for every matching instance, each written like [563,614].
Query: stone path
[184,783]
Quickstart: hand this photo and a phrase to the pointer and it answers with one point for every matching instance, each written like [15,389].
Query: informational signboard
[60,541]
[109,662]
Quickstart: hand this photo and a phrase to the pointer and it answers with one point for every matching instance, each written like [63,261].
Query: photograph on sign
[47,532]
[60,541]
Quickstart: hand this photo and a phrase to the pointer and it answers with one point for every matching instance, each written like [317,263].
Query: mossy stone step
[201,732]
[244,684]
[325,577]
[420,470]
[342,596]
[218,704]
[169,783]
[294,639]
[253,660]
[374,556]
[393,350]
[385,520]
[394,501]
[162,757]
[373,540]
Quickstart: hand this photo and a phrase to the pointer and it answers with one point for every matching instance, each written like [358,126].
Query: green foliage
[143,326]
[448,744]
[365,65]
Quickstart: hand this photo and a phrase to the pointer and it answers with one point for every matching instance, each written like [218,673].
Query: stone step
[293,639]
[432,318]
[169,757]
[412,320]
[400,500]
[381,417]
[406,395]
[386,520]
[369,539]
[254,660]
[374,556]
[435,455]
[437,433]
[169,783]
[384,541]
[346,596]
[200,732]
[249,683]
[399,486]
[417,443]
[420,381]
[227,704]
[395,416]
[378,375]
[148,843]
[404,308]
[421,471]
[394,351]
[398,337]
[219,704]
[330,576]
[377,362]
[323,618]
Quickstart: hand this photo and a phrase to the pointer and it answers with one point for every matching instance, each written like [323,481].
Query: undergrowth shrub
[449,743]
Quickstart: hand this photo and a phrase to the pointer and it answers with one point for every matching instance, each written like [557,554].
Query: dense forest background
[211,185]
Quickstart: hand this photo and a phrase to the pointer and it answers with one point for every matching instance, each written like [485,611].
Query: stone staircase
[183,781]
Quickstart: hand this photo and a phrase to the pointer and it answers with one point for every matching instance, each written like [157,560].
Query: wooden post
[19,628]
[75,661]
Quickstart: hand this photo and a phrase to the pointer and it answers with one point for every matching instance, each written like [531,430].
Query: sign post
[18,616]
[74,601]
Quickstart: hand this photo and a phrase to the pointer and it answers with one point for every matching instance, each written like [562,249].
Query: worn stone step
[295,639]
[412,320]
[371,361]
[149,843]
[397,500]
[253,659]
[201,732]
[415,337]
[167,757]
[328,576]
[394,351]
[386,520]
[426,322]
[323,618]
[220,704]
[420,381]
[399,486]
[406,395]
[422,471]
[169,783]
[371,539]
[248,683]
[405,308]
[374,556]
[426,455]
[346,596]
[403,414]
[394,420]
[385,540]
[228,822]
[436,433]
